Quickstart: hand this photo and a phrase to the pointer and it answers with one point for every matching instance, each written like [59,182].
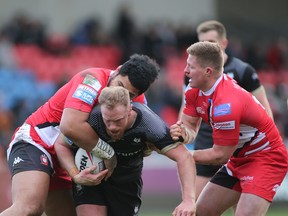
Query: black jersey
[246,76]
[148,127]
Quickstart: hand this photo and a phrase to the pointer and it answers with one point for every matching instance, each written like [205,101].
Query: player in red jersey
[245,76]
[246,140]
[37,175]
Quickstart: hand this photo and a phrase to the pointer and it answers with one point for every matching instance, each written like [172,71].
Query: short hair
[208,54]
[141,70]
[210,26]
[114,95]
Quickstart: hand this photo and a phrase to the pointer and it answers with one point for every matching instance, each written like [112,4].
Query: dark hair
[141,70]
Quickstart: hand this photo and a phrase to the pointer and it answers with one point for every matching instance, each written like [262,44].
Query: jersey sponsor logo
[87,89]
[129,154]
[17,160]
[223,109]
[44,160]
[92,81]
[85,94]
[200,110]
[246,179]
[228,125]
[276,188]
[137,140]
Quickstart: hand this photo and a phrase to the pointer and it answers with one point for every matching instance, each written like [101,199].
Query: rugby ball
[85,159]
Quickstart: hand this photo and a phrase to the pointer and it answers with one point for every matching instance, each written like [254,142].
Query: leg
[64,197]
[29,193]
[91,209]
[201,182]
[204,174]
[250,204]
[89,200]
[5,182]
[215,199]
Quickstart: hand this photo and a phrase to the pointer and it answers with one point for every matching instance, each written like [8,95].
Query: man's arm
[187,172]
[261,96]
[217,155]
[187,127]
[66,159]
[74,125]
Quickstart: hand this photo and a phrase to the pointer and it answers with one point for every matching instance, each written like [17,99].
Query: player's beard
[115,135]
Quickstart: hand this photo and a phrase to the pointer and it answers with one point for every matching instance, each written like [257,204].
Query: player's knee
[204,210]
[32,210]
[247,212]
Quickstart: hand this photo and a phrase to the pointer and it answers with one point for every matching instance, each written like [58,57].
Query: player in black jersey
[132,130]
[245,75]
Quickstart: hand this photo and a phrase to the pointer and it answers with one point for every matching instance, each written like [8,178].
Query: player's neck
[225,57]
[132,119]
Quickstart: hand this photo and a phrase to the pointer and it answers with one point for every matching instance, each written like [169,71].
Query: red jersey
[42,127]
[235,115]
[259,164]
[80,93]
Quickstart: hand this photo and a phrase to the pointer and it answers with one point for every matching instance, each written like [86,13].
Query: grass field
[271,212]
[164,205]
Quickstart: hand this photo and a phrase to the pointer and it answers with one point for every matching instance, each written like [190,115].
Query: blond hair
[212,25]
[114,95]
[208,54]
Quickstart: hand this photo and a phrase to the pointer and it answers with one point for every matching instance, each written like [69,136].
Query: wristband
[103,150]
[190,135]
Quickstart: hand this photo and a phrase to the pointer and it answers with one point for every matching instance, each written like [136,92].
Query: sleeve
[189,102]
[95,117]
[226,122]
[250,80]
[84,90]
[141,99]
[156,130]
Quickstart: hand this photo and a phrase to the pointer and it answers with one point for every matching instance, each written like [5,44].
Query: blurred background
[44,43]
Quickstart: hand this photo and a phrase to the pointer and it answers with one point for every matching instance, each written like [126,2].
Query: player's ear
[208,71]
[224,44]
[130,109]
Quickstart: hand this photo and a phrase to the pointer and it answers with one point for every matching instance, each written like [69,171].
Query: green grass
[164,205]
[271,212]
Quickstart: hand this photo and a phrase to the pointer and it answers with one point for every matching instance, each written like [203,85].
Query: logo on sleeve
[92,82]
[228,125]
[200,110]
[223,109]
[85,94]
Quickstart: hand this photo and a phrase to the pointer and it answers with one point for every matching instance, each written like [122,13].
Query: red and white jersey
[235,115]
[41,128]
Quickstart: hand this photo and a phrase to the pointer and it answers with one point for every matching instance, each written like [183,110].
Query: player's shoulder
[96,78]
[230,89]
[237,64]
[142,108]
[192,92]
[147,115]
[236,61]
